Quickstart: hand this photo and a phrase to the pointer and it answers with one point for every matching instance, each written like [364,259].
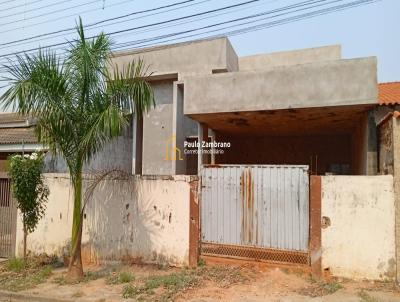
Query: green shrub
[16,264]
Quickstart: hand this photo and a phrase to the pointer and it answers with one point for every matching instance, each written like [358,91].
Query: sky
[369,30]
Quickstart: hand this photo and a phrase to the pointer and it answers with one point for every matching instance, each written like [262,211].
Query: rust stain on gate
[249,214]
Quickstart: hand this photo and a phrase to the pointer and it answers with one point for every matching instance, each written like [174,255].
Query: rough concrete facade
[219,86]
[143,219]
[358,227]
[321,84]
[288,58]
[116,154]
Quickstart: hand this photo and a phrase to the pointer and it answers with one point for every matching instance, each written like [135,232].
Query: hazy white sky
[371,30]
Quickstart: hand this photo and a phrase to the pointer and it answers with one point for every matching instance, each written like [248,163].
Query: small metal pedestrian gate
[258,212]
[8,219]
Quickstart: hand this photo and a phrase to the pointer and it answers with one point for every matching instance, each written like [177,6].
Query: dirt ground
[247,283]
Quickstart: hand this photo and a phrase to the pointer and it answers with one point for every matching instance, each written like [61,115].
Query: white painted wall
[360,242]
[143,219]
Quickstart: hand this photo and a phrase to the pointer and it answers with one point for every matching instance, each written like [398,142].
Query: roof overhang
[314,85]
[341,120]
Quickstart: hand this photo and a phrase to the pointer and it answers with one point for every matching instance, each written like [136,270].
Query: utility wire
[52,12]
[89,26]
[139,27]
[142,43]
[33,9]
[270,15]
[288,20]
[65,17]
[20,5]
[4,2]
[301,6]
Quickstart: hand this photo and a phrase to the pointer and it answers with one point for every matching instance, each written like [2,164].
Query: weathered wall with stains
[141,219]
[358,220]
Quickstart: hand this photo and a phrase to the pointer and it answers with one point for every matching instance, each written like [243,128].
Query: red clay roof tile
[389,93]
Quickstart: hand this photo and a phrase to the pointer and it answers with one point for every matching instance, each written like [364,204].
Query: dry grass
[18,274]
[169,286]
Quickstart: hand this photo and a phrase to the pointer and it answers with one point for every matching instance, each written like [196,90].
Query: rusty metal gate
[258,212]
[8,219]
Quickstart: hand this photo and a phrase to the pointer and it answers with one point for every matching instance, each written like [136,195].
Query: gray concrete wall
[332,83]
[197,57]
[158,130]
[365,146]
[116,154]
[288,58]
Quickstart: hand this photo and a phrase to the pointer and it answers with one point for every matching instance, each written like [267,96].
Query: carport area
[330,140]
[314,114]
[275,127]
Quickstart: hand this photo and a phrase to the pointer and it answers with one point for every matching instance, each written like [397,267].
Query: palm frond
[129,88]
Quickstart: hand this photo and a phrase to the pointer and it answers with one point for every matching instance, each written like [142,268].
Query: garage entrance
[257,212]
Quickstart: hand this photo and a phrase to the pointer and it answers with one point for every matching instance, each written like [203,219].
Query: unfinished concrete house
[271,157]
[304,107]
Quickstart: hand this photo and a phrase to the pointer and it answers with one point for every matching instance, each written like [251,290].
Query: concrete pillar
[137,149]
[178,131]
[372,145]
[396,183]
[202,136]
[213,138]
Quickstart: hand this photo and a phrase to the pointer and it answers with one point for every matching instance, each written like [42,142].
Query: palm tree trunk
[75,269]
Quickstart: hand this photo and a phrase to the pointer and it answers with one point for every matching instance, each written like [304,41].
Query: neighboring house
[17,135]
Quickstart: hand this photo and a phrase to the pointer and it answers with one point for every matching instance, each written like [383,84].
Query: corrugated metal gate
[8,219]
[255,211]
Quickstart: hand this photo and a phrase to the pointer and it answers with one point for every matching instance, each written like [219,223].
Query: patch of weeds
[201,262]
[167,287]
[320,288]
[24,279]
[365,297]
[90,276]
[225,276]
[122,277]
[60,280]
[130,291]
[15,264]
[170,284]
[330,287]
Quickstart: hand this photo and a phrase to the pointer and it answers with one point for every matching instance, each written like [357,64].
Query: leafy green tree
[80,102]
[29,190]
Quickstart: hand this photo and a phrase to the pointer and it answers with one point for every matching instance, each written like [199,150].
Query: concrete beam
[322,84]
[195,57]
[288,58]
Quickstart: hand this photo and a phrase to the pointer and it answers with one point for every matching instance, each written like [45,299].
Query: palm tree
[81,102]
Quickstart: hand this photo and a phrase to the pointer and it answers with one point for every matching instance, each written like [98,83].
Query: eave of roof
[17,135]
[389,93]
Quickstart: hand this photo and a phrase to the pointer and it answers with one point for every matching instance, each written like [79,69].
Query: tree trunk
[25,235]
[75,269]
